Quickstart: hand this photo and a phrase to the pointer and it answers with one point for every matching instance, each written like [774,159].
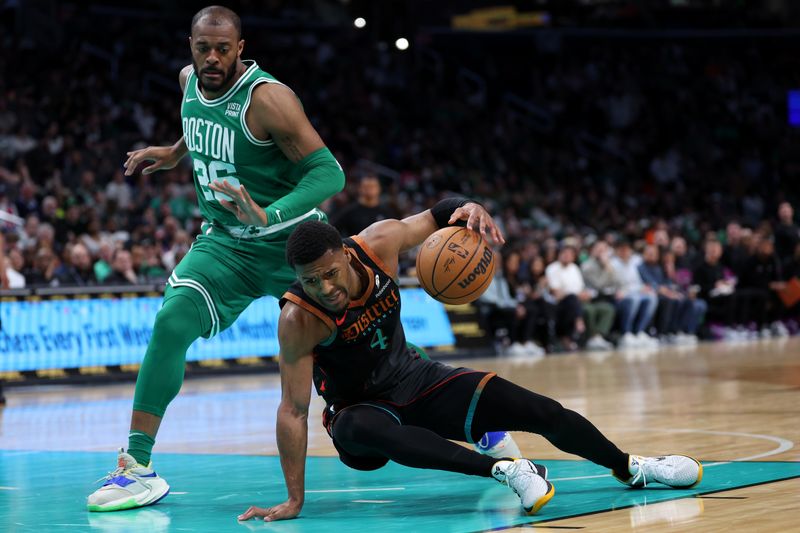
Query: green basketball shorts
[223,274]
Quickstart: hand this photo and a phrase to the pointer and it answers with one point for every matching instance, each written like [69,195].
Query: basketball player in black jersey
[384,402]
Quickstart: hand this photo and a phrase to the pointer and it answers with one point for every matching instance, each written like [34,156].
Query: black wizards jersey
[366,358]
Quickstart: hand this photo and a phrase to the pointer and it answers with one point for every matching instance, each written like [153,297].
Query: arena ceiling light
[401,43]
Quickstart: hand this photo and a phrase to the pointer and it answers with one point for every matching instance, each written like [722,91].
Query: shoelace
[523,482]
[120,471]
[640,475]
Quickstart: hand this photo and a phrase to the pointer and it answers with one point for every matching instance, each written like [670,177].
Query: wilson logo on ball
[479,269]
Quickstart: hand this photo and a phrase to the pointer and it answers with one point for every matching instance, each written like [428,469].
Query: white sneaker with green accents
[527,480]
[131,485]
[677,471]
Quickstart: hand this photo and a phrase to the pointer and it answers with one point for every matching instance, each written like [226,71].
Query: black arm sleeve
[444,209]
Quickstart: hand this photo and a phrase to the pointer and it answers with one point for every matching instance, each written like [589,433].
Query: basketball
[455,265]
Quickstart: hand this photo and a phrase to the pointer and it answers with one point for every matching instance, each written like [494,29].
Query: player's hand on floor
[283,511]
[478,219]
[240,203]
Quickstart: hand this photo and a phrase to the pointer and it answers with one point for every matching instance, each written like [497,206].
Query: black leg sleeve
[504,406]
[362,430]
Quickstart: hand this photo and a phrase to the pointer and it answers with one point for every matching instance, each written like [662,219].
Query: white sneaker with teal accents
[131,485]
[527,480]
[677,471]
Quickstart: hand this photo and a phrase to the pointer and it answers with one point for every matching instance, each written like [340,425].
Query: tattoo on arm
[291,149]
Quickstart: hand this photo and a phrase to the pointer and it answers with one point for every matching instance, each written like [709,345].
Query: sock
[140,446]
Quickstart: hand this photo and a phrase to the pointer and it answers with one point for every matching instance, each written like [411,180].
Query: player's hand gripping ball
[455,265]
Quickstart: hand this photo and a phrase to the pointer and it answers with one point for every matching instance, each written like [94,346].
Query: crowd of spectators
[636,182]
[601,290]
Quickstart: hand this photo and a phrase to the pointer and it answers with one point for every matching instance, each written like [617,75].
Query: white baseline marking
[9,488]
[381,489]
[373,501]
[783,446]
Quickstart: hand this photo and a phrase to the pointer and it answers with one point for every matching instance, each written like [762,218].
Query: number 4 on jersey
[378,339]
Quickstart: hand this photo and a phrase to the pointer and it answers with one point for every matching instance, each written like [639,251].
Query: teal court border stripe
[590,513]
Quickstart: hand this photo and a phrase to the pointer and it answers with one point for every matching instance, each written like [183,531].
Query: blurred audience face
[566,255]
[766,248]
[16,259]
[713,251]
[668,259]
[650,254]
[44,258]
[678,246]
[215,53]
[122,261]
[624,251]
[45,235]
[786,213]
[369,191]
[106,251]
[511,263]
[733,232]
[137,256]
[537,267]
[600,251]
[661,238]
[31,225]
[49,206]
[80,258]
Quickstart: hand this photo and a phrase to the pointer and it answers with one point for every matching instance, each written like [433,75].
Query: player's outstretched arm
[391,237]
[161,157]
[298,333]
[275,112]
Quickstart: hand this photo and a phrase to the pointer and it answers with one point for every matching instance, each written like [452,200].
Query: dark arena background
[641,158]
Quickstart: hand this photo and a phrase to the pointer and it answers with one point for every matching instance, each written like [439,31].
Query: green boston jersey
[222,148]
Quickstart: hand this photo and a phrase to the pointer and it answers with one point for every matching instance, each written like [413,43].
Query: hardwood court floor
[717,402]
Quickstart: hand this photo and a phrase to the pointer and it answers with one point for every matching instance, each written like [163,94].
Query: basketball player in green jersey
[260,168]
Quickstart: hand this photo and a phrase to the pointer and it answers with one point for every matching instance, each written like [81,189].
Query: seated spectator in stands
[792,274]
[28,235]
[678,316]
[503,316]
[93,237]
[787,233]
[177,249]
[699,308]
[598,272]
[532,311]
[574,300]
[4,282]
[762,279]
[538,301]
[147,262]
[684,258]
[42,273]
[119,191]
[636,302]
[122,272]
[735,253]
[79,270]
[719,290]
[15,264]
[102,267]
[46,238]
[792,268]
[365,211]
